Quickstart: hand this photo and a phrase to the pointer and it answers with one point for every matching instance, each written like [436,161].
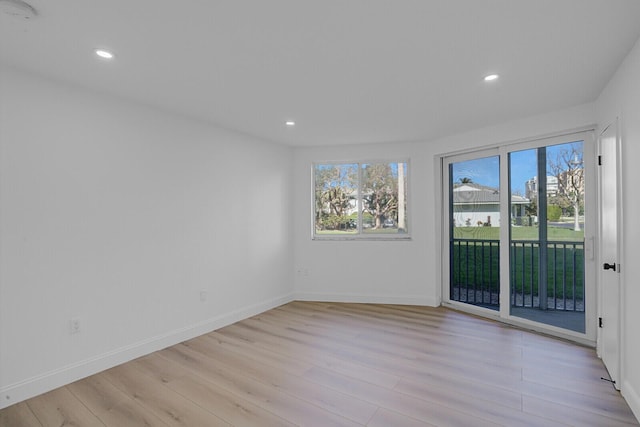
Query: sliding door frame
[590,228]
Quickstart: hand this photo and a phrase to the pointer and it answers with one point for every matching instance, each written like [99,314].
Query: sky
[486,171]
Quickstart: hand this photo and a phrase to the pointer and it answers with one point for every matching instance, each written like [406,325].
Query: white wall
[406,272]
[371,271]
[621,98]
[120,215]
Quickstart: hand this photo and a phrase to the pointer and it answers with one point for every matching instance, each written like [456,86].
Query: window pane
[336,193]
[523,171]
[474,251]
[384,201]
[565,165]
[547,236]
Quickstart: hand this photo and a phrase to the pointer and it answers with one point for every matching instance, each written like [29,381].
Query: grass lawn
[476,260]
[518,233]
[353,232]
[336,232]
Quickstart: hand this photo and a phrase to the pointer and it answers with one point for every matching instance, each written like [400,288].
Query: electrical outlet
[203,296]
[74,325]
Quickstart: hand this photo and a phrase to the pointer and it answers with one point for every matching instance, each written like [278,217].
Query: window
[360,200]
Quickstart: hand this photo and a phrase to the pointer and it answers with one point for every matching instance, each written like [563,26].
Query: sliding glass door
[515,233]
[474,201]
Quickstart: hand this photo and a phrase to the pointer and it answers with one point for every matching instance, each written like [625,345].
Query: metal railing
[475,271]
[475,267]
[564,288]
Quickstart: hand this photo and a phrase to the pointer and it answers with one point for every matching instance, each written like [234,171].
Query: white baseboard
[34,386]
[369,299]
[632,397]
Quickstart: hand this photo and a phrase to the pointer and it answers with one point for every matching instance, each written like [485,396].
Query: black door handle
[608,266]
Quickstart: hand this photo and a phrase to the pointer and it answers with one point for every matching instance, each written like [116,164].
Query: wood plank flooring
[330,364]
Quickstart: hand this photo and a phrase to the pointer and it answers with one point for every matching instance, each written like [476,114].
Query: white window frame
[359,234]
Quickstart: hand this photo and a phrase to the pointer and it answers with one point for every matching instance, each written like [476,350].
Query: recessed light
[290,123]
[491,77]
[102,53]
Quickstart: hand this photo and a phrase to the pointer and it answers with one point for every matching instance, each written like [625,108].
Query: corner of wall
[31,387]
[632,397]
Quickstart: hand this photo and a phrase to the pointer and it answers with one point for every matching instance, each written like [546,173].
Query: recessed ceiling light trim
[104,53]
[491,77]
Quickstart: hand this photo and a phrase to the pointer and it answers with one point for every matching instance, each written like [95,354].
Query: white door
[610,304]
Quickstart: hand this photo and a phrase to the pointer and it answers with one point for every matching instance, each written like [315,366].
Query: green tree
[335,189]
[532,208]
[568,168]
[553,212]
[379,192]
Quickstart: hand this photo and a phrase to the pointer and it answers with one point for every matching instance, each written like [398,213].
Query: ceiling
[346,71]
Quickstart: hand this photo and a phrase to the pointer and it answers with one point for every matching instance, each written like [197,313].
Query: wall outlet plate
[74,325]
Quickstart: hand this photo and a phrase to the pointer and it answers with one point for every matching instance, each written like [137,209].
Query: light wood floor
[326,364]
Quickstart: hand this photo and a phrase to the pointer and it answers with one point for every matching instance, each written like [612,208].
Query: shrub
[553,212]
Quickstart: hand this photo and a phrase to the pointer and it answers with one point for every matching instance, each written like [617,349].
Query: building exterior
[476,205]
[531,187]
